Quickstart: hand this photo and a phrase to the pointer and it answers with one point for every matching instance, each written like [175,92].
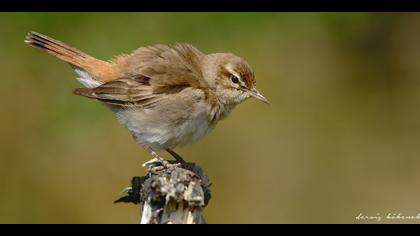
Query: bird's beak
[256,94]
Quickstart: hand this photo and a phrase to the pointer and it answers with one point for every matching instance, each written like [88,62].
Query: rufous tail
[68,54]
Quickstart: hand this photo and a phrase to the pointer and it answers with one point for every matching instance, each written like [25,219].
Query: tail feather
[58,49]
[100,70]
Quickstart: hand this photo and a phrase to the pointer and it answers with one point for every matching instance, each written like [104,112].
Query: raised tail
[79,60]
[58,49]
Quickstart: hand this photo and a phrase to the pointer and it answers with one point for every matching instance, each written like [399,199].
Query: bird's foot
[157,165]
[178,158]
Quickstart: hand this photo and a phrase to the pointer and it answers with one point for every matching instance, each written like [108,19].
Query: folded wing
[149,74]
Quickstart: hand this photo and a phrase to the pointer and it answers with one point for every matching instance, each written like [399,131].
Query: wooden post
[170,194]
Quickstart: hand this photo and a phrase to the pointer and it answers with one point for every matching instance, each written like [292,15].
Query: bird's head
[231,78]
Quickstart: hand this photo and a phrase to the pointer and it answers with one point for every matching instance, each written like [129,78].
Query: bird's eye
[234,79]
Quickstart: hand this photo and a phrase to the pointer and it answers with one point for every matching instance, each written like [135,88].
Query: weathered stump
[171,194]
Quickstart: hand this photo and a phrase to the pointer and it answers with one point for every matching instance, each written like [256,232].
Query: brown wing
[166,66]
[149,75]
[123,92]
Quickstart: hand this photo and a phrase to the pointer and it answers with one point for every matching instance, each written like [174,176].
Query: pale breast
[176,121]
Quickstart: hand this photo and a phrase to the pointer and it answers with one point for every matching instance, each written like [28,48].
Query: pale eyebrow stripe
[230,70]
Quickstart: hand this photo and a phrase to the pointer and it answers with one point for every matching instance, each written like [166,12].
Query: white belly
[160,132]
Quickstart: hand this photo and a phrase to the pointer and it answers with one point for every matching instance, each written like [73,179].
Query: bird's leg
[157,158]
[188,166]
[154,154]
[177,157]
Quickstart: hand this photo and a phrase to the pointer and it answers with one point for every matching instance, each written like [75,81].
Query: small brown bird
[166,96]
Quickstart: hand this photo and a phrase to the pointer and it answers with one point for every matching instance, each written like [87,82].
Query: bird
[166,96]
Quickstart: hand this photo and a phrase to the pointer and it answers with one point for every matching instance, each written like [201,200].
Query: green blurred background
[341,136]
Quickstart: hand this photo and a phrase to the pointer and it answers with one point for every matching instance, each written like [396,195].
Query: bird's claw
[157,165]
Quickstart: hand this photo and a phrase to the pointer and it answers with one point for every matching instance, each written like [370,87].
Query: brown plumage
[166,96]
